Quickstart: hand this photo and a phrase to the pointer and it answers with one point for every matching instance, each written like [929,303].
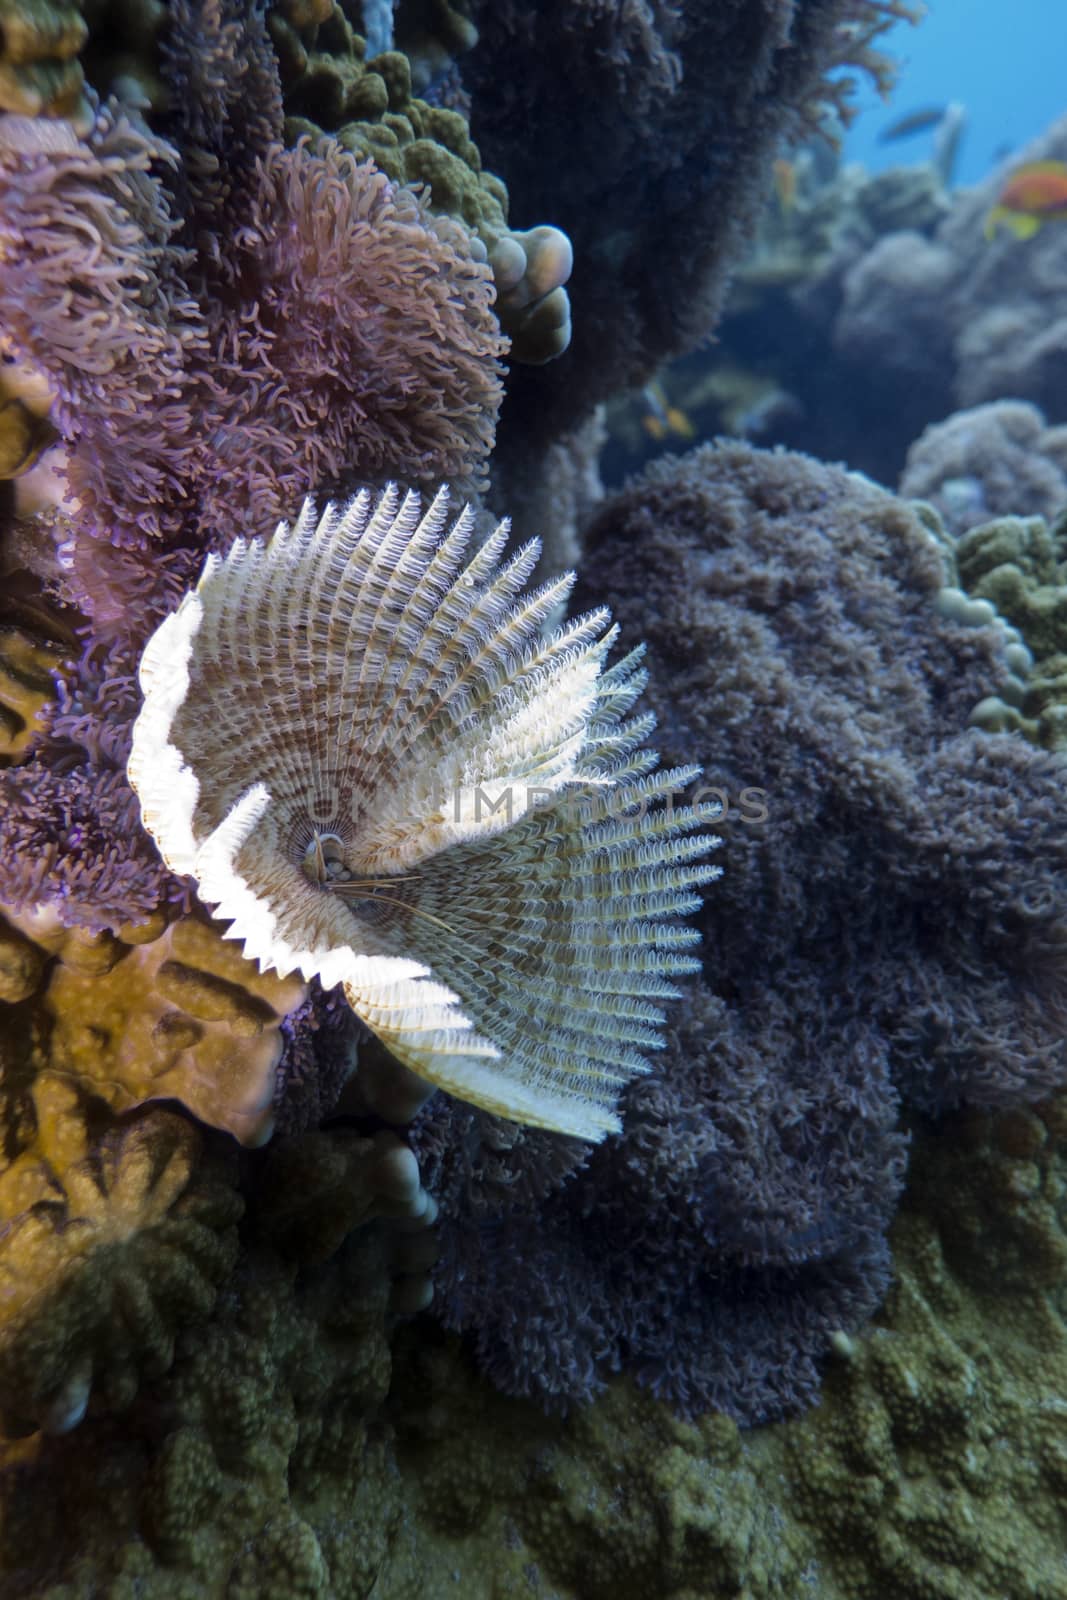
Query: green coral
[1019,565]
[372,110]
[290,1451]
[108,1246]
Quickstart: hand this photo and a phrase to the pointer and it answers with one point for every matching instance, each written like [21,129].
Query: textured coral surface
[288,1453]
[889,926]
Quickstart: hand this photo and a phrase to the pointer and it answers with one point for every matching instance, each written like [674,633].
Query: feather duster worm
[381,772]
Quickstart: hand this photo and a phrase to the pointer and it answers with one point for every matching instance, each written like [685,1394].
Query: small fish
[661,419]
[1032,195]
[785,182]
[920,121]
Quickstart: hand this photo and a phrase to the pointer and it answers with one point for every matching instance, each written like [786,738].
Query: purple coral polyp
[892,934]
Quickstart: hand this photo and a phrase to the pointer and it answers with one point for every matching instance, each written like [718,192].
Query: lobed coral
[1017,564]
[39,68]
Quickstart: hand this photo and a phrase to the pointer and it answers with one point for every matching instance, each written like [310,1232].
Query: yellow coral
[168,1012]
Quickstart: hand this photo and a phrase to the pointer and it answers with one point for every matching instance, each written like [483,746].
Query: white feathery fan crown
[382,773]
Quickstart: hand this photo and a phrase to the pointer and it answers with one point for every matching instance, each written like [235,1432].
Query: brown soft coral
[110,1245]
[166,1012]
[39,68]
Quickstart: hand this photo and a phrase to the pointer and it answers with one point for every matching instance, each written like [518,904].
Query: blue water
[1004,59]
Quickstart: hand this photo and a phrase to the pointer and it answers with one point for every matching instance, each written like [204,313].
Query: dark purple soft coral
[894,931]
[69,821]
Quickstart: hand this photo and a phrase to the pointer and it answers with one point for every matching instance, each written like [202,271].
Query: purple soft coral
[221,334]
[895,926]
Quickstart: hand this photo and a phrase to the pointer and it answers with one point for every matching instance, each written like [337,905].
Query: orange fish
[1033,194]
[661,419]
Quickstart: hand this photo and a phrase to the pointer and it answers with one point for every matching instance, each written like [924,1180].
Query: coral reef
[773,374]
[260,1473]
[204,397]
[117,1230]
[172,1011]
[882,929]
[111,1242]
[997,309]
[370,108]
[258,323]
[69,819]
[369,105]
[654,126]
[206,1392]
[774,582]
[872,323]
[288,1451]
[27,662]
[996,460]
[933,1466]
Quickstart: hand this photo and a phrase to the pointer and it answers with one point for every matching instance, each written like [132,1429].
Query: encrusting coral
[1019,565]
[435,805]
[170,1012]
